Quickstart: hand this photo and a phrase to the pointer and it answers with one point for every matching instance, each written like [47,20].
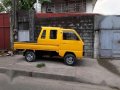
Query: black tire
[30,56]
[70,59]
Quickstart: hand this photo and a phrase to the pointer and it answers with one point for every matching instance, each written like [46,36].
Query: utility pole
[13,25]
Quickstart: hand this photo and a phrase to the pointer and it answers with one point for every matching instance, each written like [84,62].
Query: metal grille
[66,6]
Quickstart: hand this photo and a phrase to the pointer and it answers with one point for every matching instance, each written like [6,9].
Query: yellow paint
[59,45]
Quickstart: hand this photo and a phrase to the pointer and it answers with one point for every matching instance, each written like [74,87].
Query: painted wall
[107,7]
[89,6]
[4,31]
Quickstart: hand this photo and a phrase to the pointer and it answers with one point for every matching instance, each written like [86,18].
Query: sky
[107,7]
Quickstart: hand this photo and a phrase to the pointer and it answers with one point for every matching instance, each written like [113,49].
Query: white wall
[89,6]
[107,7]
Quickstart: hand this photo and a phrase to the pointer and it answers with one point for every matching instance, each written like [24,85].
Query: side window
[53,34]
[43,36]
[70,36]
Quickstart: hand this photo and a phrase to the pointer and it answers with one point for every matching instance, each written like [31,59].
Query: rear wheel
[70,59]
[30,56]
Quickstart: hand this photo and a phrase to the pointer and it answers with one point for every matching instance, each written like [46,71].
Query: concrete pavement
[87,71]
[116,63]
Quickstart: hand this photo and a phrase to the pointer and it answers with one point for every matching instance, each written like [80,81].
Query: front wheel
[70,59]
[30,56]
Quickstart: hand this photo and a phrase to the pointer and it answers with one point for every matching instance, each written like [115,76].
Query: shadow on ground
[52,59]
[109,66]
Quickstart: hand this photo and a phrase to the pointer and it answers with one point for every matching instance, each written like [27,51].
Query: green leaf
[1,9]
[22,4]
[42,1]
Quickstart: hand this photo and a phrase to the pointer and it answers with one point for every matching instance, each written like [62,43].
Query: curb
[12,73]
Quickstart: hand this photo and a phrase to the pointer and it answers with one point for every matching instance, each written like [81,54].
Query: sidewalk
[87,71]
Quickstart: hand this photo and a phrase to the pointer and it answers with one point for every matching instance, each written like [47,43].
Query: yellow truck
[54,41]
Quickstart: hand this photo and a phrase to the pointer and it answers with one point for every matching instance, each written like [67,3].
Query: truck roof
[57,28]
[52,27]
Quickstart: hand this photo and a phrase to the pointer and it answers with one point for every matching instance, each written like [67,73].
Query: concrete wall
[82,23]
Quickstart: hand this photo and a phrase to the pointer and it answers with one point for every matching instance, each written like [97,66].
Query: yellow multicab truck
[54,41]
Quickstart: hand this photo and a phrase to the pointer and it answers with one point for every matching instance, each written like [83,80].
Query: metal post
[37,1]
[96,45]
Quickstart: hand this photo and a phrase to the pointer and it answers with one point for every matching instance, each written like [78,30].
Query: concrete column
[96,45]
[31,25]
[13,22]
[89,6]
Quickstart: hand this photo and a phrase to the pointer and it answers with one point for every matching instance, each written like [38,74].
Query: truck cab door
[53,38]
[71,41]
[49,37]
[42,39]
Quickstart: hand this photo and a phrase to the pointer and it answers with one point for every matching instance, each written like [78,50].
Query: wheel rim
[70,60]
[29,57]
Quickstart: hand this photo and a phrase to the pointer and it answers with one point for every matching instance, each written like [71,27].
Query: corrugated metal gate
[83,24]
[106,43]
[110,44]
[110,36]
[4,31]
[116,44]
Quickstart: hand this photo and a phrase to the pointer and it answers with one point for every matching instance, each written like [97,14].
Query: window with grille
[67,6]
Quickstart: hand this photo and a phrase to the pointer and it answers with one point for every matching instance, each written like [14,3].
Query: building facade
[66,6]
